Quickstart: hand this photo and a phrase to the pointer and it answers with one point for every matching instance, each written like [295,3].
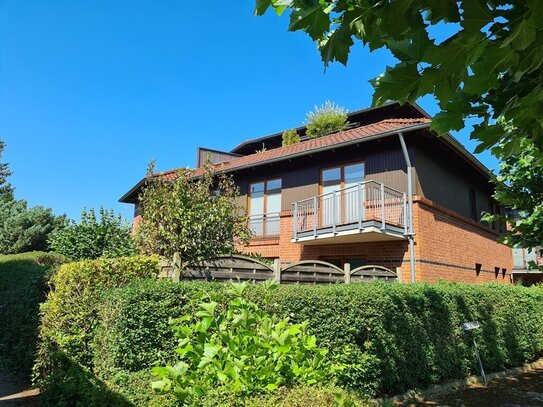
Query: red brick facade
[448,246]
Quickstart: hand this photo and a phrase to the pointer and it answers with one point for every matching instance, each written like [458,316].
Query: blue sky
[90,92]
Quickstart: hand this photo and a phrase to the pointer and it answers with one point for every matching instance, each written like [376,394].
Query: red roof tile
[358,133]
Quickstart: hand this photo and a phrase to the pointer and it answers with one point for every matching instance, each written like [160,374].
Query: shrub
[69,318]
[93,238]
[326,119]
[22,288]
[24,229]
[241,350]
[403,336]
[290,137]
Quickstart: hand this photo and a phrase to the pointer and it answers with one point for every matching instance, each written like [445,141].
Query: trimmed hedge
[99,346]
[407,335]
[22,288]
[69,316]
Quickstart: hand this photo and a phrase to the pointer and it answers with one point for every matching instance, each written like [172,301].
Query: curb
[462,384]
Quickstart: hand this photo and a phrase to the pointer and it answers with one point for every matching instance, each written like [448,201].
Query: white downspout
[411,231]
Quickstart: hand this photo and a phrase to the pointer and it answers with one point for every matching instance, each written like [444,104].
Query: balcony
[368,211]
[265,225]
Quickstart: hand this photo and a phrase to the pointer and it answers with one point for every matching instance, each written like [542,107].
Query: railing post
[360,206]
[347,271]
[382,206]
[334,209]
[295,226]
[404,214]
[315,215]
[277,270]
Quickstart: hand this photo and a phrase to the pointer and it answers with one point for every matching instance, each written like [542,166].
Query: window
[344,207]
[265,207]
[473,205]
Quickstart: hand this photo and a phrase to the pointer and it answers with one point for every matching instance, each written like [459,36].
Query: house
[386,191]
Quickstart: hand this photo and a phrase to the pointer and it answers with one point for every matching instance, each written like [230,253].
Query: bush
[290,137]
[241,350]
[69,319]
[405,336]
[93,238]
[326,119]
[22,288]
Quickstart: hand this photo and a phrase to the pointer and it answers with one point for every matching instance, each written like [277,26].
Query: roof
[357,118]
[382,128]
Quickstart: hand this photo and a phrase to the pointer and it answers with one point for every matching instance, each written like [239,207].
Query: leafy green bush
[25,229]
[241,349]
[92,238]
[403,336]
[22,288]
[290,137]
[326,119]
[69,317]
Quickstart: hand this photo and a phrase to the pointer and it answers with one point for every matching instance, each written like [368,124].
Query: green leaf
[313,20]
[445,121]
[336,47]
[443,10]
[476,14]
[412,49]
[401,83]
[261,7]
[522,36]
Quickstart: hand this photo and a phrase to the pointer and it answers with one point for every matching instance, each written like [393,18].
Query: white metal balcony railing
[265,225]
[365,204]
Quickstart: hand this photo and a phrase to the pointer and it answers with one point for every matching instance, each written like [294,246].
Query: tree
[326,119]
[198,218]
[519,186]
[489,67]
[92,238]
[290,137]
[24,229]
[5,187]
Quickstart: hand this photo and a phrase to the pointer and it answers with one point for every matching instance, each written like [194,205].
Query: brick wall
[448,247]
[452,247]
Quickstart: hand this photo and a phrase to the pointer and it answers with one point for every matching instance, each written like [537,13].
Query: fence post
[277,270]
[176,267]
[399,274]
[382,206]
[347,271]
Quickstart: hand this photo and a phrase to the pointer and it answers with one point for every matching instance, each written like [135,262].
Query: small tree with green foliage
[24,229]
[197,218]
[326,119]
[107,235]
[5,187]
[519,185]
[290,137]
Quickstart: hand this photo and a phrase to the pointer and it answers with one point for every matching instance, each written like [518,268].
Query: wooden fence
[241,268]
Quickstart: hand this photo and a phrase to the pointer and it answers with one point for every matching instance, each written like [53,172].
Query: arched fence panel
[228,268]
[372,273]
[312,272]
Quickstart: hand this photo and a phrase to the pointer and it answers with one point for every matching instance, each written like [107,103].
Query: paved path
[16,394]
[524,390]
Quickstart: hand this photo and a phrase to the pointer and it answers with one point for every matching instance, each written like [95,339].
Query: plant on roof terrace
[290,137]
[326,119]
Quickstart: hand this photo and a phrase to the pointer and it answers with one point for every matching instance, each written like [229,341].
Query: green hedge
[407,335]
[22,288]
[103,342]
[68,319]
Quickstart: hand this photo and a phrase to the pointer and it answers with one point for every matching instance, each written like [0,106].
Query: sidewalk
[16,394]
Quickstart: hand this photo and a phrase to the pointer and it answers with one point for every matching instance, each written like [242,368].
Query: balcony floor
[351,233]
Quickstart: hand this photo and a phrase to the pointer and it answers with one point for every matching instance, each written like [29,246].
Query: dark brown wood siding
[447,178]
[384,162]
[214,156]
